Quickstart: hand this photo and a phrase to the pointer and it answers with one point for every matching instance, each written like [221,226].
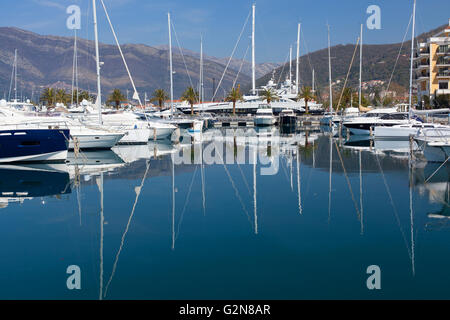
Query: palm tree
[116,96]
[190,96]
[61,96]
[233,96]
[306,94]
[269,95]
[160,96]
[84,95]
[48,95]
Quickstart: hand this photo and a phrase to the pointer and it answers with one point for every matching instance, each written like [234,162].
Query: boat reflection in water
[226,202]
[21,182]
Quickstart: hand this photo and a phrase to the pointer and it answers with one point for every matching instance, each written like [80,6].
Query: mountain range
[46,61]
[378,64]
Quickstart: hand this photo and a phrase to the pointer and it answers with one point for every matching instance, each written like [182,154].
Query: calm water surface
[141,226]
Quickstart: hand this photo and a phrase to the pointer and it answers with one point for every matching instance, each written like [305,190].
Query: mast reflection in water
[140,224]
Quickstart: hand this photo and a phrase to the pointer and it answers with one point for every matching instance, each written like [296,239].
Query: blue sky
[220,22]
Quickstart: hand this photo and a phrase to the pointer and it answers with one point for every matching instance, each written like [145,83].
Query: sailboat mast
[297,72]
[171,66]
[290,69]
[76,66]
[201,70]
[97,59]
[253,51]
[15,75]
[329,71]
[412,58]
[313,82]
[360,67]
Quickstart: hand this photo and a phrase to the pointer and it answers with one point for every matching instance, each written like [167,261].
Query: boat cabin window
[395,116]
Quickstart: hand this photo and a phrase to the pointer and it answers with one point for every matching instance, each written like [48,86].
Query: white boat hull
[95,141]
[264,121]
[53,156]
[161,133]
[136,136]
[394,133]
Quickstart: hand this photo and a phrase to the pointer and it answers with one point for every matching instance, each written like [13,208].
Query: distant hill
[378,63]
[47,61]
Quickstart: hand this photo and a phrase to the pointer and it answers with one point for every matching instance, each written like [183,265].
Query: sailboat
[137,130]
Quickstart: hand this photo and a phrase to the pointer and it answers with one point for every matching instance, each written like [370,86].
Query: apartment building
[432,65]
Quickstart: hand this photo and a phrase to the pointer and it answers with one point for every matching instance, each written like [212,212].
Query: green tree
[62,96]
[190,96]
[269,95]
[117,97]
[160,96]
[233,96]
[48,96]
[387,101]
[307,95]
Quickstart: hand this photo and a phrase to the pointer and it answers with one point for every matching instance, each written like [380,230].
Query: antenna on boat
[412,61]
[171,66]
[97,59]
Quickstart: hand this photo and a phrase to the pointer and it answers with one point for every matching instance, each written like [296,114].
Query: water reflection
[267,201]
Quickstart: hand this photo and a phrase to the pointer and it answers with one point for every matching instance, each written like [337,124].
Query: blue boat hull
[31,145]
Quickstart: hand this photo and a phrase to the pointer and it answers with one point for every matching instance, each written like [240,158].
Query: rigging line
[186,203]
[307,51]
[232,54]
[399,52]
[235,189]
[284,67]
[397,218]
[182,55]
[138,194]
[348,182]
[121,53]
[434,173]
[240,68]
[245,179]
[348,73]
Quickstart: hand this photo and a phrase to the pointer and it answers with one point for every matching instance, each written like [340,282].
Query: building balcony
[422,76]
[443,51]
[443,62]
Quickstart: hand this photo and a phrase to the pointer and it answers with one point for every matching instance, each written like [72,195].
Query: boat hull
[264,121]
[33,145]
[95,141]
[136,136]
[394,133]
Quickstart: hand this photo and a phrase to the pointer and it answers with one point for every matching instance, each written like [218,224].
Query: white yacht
[264,116]
[81,136]
[363,125]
